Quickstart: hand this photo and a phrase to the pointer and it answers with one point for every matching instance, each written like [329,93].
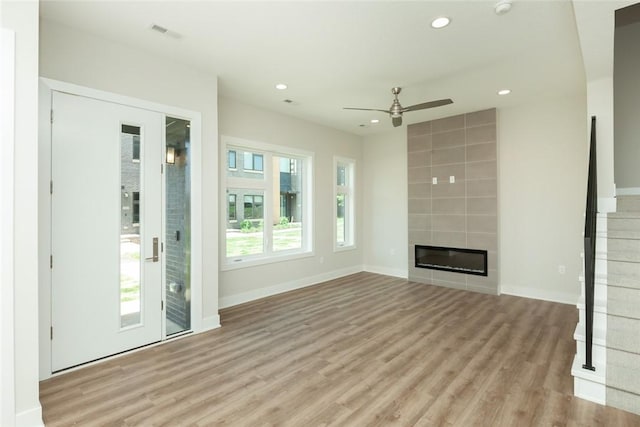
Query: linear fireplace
[458,260]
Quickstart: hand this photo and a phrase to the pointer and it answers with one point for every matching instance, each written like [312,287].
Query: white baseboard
[606,204]
[231,300]
[395,272]
[631,191]
[588,385]
[208,323]
[30,418]
[545,295]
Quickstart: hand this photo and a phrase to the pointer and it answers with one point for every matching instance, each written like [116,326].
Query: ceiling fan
[396,110]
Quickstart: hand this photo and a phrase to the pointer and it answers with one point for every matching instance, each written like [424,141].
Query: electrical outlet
[562,269]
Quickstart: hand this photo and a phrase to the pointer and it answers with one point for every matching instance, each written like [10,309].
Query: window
[231,211]
[135,216]
[253,207]
[344,221]
[274,218]
[253,162]
[135,155]
[134,132]
[231,159]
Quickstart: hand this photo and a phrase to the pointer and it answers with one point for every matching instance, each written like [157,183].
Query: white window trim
[350,217]
[268,151]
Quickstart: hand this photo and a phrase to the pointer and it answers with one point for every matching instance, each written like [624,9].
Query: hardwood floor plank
[363,350]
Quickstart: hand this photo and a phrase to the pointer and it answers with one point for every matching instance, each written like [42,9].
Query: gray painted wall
[626,106]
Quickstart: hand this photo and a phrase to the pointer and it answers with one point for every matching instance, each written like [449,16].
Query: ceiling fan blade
[366,109]
[397,121]
[430,104]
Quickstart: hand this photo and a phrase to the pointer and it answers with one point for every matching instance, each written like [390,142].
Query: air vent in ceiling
[165,31]
[158,28]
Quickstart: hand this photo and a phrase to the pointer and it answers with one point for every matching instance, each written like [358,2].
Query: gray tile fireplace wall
[460,210]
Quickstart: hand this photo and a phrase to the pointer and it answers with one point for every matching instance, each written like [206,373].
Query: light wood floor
[358,351]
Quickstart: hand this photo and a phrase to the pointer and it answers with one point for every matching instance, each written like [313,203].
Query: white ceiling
[350,53]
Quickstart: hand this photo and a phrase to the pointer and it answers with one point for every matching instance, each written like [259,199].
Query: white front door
[106,208]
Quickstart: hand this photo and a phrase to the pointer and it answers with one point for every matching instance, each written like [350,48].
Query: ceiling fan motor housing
[396,109]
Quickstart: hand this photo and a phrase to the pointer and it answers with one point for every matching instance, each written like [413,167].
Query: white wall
[542,188]
[247,122]
[7,142]
[542,163]
[22,18]
[81,58]
[385,203]
[627,108]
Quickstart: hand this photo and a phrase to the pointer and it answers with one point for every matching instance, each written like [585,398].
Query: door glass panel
[130,161]
[178,226]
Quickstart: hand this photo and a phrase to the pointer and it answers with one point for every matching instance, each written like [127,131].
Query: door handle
[154,258]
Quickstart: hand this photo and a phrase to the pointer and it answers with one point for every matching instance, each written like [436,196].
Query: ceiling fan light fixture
[440,22]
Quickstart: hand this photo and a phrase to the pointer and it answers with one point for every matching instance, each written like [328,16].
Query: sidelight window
[344,203]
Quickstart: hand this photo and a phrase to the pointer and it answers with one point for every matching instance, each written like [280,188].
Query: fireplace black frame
[482,252]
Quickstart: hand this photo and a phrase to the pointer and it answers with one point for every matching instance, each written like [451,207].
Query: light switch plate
[452,179]
[434,180]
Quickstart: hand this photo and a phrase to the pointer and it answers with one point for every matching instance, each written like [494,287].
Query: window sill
[344,248]
[249,261]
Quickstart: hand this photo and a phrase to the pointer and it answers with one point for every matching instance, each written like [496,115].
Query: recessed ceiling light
[440,22]
[281,86]
[502,7]
[504,91]
[375,121]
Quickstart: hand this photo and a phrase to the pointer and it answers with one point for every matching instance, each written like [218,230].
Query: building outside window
[231,159]
[273,185]
[253,207]
[231,211]
[253,162]
[135,216]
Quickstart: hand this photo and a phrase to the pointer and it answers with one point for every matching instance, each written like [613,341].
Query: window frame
[253,155]
[235,207]
[135,208]
[235,160]
[349,192]
[231,184]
